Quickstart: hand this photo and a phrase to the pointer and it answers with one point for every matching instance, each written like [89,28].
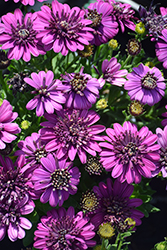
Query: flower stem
[126,61]
[102,245]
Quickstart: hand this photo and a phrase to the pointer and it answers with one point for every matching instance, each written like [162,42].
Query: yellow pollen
[106,230]
[140,28]
[136,108]
[149,64]
[113,44]
[101,104]
[25,124]
[88,51]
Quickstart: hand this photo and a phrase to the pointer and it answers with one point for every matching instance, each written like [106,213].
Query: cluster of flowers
[68,134]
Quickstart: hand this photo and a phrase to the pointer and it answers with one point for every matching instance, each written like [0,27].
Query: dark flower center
[12,186]
[61,179]
[39,153]
[95,17]
[72,129]
[93,166]
[59,228]
[9,214]
[149,81]
[163,157]
[4,61]
[17,83]
[134,47]
[89,202]
[127,147]
[65,25]
[23,33]
[116,207]
[79,83]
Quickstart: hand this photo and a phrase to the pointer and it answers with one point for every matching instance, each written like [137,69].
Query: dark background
[153,228]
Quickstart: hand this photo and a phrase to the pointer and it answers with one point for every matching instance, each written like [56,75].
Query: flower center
[163,157]
[130,149]
[95,17]
[12,186]
[39,153]
[64,25]
[78,83]
[23,33]
[9,214]
[116,207]
[93,166]
[61,179]
[59,228]
[149,81]
[89,202]
[72,129]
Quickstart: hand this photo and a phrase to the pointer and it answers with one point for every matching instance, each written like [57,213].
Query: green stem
[126,61]
[70,64]
[102,245]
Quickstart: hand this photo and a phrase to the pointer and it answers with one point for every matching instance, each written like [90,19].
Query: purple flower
[129,153]
[82,89]
[7,128]
[49,93]
[13,183]
[15,201]
[56,179]
[145,85]
[33,149]
[161,48]
[19,36]
[62,28]
[164,122]
[115,204]
[112,72]
[103,23]
[26,2]
[64,230]
[162,141]
[123,14]
[11,219]
[153,23]
[71,132]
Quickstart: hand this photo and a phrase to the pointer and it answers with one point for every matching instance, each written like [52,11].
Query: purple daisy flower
[19,36]
[164,122]
[62,28]
[162,141]
[64,230]
[50,95]
[112,72]
[145,85]
[7,128]
[15,200]
[71,132]
[56,179]
[82,89]
[103,23]
[129,153]
[115,204]
[33,149]
[11,219]
[26,2]
[123,13]
[161,48]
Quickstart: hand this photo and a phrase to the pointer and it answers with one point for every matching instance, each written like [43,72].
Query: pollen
[140,28]
[113,44]
[136,108]
[106,231]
